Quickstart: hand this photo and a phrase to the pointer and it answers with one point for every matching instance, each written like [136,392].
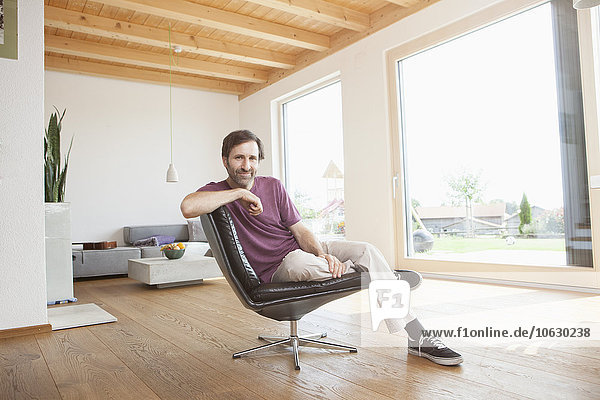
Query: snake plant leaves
[54,176]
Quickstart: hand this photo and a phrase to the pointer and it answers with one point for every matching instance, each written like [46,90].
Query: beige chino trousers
[300,266]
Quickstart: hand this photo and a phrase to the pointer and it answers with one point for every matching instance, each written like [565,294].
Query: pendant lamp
[172,175]
[583,4]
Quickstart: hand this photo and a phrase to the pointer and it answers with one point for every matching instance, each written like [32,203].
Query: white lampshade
[172,175]
[583,4]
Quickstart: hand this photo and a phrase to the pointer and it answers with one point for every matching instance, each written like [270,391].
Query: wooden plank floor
[177,343]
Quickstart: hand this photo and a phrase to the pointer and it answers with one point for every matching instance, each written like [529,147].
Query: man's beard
[236,176]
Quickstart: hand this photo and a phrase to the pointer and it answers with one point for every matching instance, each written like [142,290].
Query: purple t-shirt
[266,239]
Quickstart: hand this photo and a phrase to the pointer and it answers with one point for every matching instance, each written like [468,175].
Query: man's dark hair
[239,137]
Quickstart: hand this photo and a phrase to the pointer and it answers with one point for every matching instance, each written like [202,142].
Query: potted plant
[59,265]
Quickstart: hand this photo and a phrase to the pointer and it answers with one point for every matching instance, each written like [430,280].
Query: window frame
[567,275]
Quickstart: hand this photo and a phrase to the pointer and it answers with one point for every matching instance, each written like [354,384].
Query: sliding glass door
[493,144]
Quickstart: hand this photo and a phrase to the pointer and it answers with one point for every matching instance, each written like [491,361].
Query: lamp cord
[170,92]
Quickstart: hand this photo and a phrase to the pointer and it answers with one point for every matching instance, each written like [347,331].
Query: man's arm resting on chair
[309,243]
[199,203]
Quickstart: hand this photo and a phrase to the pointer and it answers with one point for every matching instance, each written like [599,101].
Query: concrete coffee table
[162,272]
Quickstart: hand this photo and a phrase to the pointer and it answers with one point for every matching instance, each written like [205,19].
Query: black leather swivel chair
[280,301]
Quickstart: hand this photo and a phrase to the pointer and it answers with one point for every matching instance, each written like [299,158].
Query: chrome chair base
[295,342]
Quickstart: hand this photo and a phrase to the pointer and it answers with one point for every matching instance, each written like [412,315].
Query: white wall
[121,152]
[22,265]
[367,157]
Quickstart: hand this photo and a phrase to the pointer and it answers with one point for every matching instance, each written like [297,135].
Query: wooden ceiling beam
[380,19]
[322,11]
[54,63]
[94,25]
[406,3]
[83,48]
[198,14]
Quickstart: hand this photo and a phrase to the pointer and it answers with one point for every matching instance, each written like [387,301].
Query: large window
[314,158]
[493,144]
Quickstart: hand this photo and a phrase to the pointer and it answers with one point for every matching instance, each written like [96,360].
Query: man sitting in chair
[281,249]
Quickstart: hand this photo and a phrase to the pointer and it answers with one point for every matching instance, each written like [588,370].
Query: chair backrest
[227,250]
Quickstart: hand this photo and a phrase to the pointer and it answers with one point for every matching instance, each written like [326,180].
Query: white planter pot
[59,262]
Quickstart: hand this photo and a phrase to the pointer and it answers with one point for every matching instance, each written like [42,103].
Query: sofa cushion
[157,240]
[134,233]
[195,231]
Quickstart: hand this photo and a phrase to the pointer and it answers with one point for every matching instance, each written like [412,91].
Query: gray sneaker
[413,278]
[433,349]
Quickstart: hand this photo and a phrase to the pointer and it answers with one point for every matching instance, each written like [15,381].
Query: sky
[486,103]
[315,136]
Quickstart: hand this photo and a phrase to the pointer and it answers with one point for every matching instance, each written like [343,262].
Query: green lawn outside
[467,245]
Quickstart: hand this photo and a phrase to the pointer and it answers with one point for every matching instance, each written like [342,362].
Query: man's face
[242,164]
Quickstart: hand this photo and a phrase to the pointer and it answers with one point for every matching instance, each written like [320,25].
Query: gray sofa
[91,263]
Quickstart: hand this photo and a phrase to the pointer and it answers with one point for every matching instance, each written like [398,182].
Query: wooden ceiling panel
[101,40]
[405,3]
[145,47]
[279,16]
[153,20]
[51,53]
[96,25]
[121,14]
[226,20]
[364,6]
[190,30]
[92,7]
[289,19]
[177,26]
[93,38]
[99,68]
[231,46]
[139,18]
[310,12]
[239,7]
[283,16]
[99,51]
[63,33]
[109,12]
[251,9]
[76,5]
[58,3]
[49,30]
[81,35]
[284,48]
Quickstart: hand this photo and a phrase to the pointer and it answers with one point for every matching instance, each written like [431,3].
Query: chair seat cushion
[295,290]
